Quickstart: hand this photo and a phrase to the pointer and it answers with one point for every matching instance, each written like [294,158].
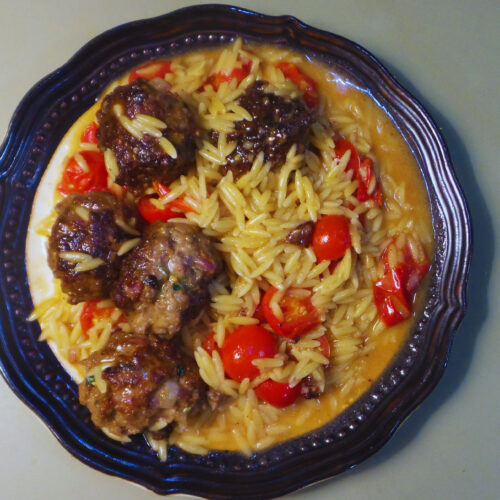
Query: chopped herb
[90,380]
[181,371]
[187,409]
[176,287]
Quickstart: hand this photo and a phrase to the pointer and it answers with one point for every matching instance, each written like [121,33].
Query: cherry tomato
[365,176]
[151,212]
[239,74]
[303,82]
[390,300]
[393,293]
[259,313]
[150,70]
[245,344]
[89,134]
[178,203]
[331,237]
[210,344]
[91,312]
[415,271]
[325,346]
[300,316]
[278,394]
[75,179]
[362,171]
[341,147]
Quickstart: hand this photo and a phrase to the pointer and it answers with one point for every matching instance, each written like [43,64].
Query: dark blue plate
[32,371]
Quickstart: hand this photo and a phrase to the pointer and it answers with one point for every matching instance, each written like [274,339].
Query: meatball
[277,123]
[164,281]
[144,160]
[138,383]
[84,243]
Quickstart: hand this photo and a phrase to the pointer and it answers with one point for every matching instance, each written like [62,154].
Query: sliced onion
[167,394]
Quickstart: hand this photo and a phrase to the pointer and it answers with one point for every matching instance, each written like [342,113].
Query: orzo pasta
[290,176]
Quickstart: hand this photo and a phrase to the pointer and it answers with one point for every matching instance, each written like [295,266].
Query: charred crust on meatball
[277,124]
[149,383]
[142,161]
[90,225]
[164,281]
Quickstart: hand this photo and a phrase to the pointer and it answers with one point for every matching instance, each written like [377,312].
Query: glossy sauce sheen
[393,157]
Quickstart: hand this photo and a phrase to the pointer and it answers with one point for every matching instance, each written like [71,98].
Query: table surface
[447,54]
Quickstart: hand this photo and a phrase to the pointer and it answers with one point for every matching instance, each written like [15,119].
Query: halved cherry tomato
[150,70]
[179,203]
[91,312]
[390,300]
[210,344]
[325,346]
[341,147]
[245,344]
[410,269]
[331,237]
[75,179]
[239,74]
[362,171]
[300,316]
[89,134]
[393,293]
[365,176]
[306,84]
[278,394]
[259,313]
[151,212]
[174,208]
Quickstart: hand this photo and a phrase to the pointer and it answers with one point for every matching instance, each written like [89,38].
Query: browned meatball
[88,227]
[142,161]
[277,124]
[146,382]
[164,281]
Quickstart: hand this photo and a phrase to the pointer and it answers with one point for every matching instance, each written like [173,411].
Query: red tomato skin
[399,284]
[178,203]
[76,180]
[303,82]
[362,171]
[245,344]
[385,291]
[90,312]
[331,237]
[210,345]
[87,315]
[341,147]
[152,213]
[300,316]
[325,346]
[89,134]
[217,79]
[259,313]
[278,394]
[163,67]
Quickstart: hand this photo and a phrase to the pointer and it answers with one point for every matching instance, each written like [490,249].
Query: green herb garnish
[176,287]
[90,380]
[181,371]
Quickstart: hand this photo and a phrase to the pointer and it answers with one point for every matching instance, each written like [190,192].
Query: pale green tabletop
[447,54]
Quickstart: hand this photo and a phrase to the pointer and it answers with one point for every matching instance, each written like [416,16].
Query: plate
[30,368]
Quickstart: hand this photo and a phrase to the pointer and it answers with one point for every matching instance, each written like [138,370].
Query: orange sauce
[394,159]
